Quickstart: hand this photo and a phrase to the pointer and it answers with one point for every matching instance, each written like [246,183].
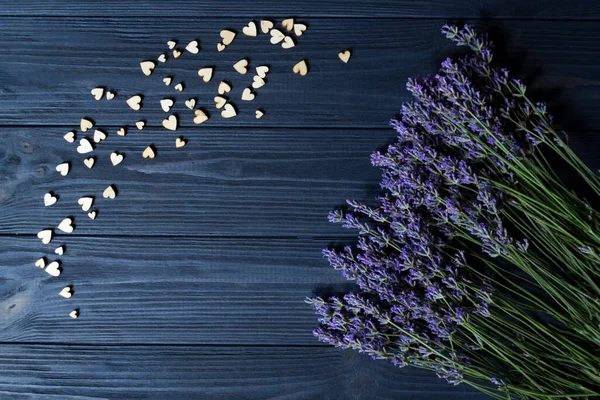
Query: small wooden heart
[53,268]
[167,80]
[40,263]
[166,104]
[140,125]
[224,87]
[276,36]
[227,37]
[259,114]
[110,95]
[247,95]
[205,73]
[192,47]
[109,192]
[45,236]
[98,93]
[121,132]
[92,215]
[299,29]
[135,102]
[63,168]
[288,24]
[49,199]
[170,123]
[250,29]
[220,47]
[115,159]
[67,292]
[179,143]
[99,135]
[85,146]
[190,103]
[69,137]
[301,68]
[179,87]
[60,250]
[262,71]
[241,66]
[220,101]
[171,44]
[162,58]
[266,25]
[344,56]
[148,152]
[66,225]
[89,162]
[85,203]
[288,43]
[74,314]
[200,117]
[176,53]
[228,111]
[257,82]
[147,67]
[85,124]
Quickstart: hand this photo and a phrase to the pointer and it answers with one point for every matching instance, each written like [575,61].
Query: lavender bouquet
[478,263]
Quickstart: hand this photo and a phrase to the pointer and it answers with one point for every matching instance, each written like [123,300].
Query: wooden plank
[165,290]
[535,9]
[49,67]
[224,182]
[175,372]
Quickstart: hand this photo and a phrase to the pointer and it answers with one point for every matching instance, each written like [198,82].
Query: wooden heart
[53,268]
[301,68]
[85,146]
[259,114]
[266,25]
[257,82]
[135,102]
[276,36]
[171,44]
[49,199]
[190,103]
[166,104]
[45,236]
[220,101]
[162,58]
[98,93]
[148,152]
[85,203]
[288,24]
[110,95]
[40,263]
[109,193]
[89,162]
[299,29]
[99,136]
[167,80]
[220,47]
[205,73]
[192,47]
[224,87]
[179,143]
[228,111]
[241,66]
[176,53]
[66,292]
[66,225]
[200,117]
[247,95]
[147,67]
[250,29]
[170,123]
[179,87]
[63,168]
[60,250]
[344,55]
[140,125]
[74,314]
[115,159]
[70,137]
[227,37]
[288,43]
[121,132]
[262,71]
[85,124]
[92,215]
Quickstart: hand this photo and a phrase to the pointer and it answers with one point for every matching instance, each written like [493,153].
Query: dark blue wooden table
[191,282]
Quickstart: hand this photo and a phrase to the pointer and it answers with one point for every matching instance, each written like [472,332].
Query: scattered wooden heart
[167,80]
[190,103]
[220,47]
[171,44]
[109,192]
[85,124]
[162,58]
[250,29]
[220,101]
[259,114]
[74,314]
[299,29]
[53,268]
[266,25]
[288,23]
[192,47]
[49,199]
[45,236]
[135,102]
[99,135]
[205,73]
[224,87]
[60,250]
[148,152]
[301,68]
[176,53]
[200,117]
[63,168]
[40,263]
[70,137]
[288,43]
[98,93]
[166,104]
[66,292]
[147,67]
[110,95]
[241,66]
[170,123]
[227,37]
[344,55]
[66,225]
[115,159]
[276,36]
[89,162]
[262,71]
[140,125]
[85,146]
[228,111]
[179,143]
[179,87]
[92,214]
[257,82]
[122,132]
[247,95]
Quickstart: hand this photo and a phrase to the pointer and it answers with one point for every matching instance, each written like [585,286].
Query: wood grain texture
[224,182]
[49,67]
[165,290]
[507,9]
[174,372]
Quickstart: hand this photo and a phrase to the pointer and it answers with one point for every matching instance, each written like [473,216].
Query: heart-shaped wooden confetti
[299,29]
[66,225]
[166,104]
[49,199]
[170,123]
[190,103]
[344,55]
[179,87]
[247,95]
[257,82]
[40,263]
[276,36]
[162,58]
[171,44]
[167,80]
[53,268]
[228,111]
[262,71]
[288,24]
[250,29]
[85,146]
[259,114]
[92,215]
[227,37]
[288,43]
[200,117]
[66,292]
[60,250]
[241,66]
[301,68]
[220,47]
[110,95]
[85,203]
[176,53]
[135,102]
[69,137]
[220,101]
[205,73]
[74,314]
[266,26]
[98,93]
[109,193]
[140,125]
[45,236]
[115,159]
[121,132]
[179,143]
[99,136]
[148,152]
[89,162]
[147,67]
[224,87]
[192,47]
[85,124]
[63,168]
